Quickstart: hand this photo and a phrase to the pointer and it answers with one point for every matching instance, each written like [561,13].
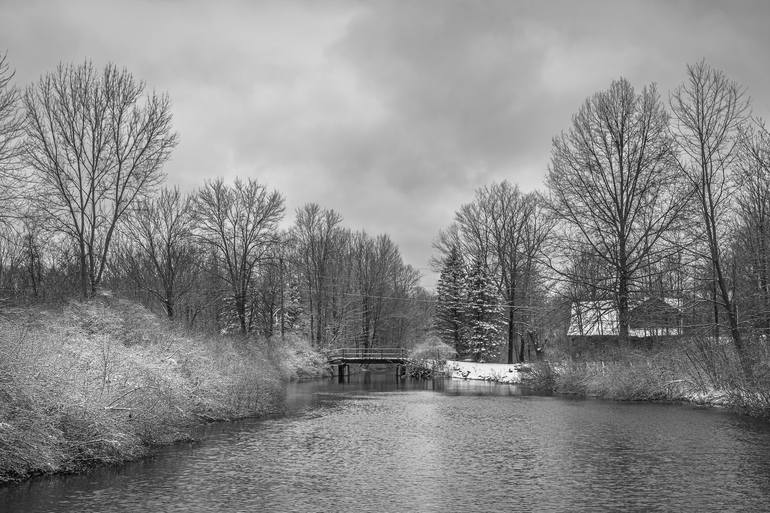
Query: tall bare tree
[614,184]
[752,228]
[97,143]
[162,258]
[239,223]
[537,229]
[505,229]
[315,235]
[709,112]
[375,261]
[11,131]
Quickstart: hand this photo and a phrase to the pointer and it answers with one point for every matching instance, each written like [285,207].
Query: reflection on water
[380,444]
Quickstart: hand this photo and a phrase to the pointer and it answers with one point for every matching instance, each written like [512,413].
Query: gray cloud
[390,112]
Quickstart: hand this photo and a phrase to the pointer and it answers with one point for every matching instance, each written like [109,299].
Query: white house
[647,318]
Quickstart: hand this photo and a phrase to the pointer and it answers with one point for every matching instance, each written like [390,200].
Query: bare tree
[379,272]
[314,234]
[614,184]
[97,143]
[11,260]
[240,224]
[447,242]
[342,324]
[401,319]
[709,112]
[752,228]
[162,258]
[587,276]
[537,229]
[11,131]
[505,229]
[474,228]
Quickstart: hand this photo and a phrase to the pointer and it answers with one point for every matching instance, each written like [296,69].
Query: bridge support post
[343,369]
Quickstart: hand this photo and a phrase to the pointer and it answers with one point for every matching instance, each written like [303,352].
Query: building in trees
[593,318]
[649,318]
[615,187]
[656,317]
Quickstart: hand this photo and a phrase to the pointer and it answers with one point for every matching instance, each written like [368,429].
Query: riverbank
[671,380]
[498,372]
[106,381]
[639,378]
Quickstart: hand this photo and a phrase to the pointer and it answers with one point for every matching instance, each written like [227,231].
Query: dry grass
[631,380]
[103,382]
[695,370]
[298,360]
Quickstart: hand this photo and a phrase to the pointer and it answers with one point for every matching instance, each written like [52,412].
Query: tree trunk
[743,356]
[169,305]
[320,320]
[240,309]
[732,319]
[764,283]
[512,317]
[83,272]
[283,300]
[169,301]
[365,323]
[623,280]
[313,340]
[511,334]
[623,310]
[716,307]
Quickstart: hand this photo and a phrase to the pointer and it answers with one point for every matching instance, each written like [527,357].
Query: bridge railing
[369,353]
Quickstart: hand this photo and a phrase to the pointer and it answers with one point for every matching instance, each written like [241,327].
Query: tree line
[645,197]
[85,210]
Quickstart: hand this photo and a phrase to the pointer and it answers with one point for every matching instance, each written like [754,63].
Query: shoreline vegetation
[638,377]
[107,381]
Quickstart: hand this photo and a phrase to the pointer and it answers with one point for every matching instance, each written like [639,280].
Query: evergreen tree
[293,307]
[484,314]
[450,310]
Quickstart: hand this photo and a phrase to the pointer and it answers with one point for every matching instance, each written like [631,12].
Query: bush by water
[105,381]
[692,369]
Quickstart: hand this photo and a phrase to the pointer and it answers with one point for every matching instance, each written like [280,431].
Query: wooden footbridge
[344,356]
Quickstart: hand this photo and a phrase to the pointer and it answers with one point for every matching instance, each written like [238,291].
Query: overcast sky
[391,113]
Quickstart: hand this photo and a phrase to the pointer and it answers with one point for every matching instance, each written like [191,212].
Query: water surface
[384,445]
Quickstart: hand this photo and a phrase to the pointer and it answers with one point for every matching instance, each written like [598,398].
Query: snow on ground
[500,372]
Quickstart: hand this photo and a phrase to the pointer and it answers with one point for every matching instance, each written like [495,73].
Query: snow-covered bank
[499,372]
[631,380]
[107,381]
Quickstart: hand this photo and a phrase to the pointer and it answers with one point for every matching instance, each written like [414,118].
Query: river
[380,445]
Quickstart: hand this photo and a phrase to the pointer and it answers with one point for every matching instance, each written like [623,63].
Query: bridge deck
[367,355]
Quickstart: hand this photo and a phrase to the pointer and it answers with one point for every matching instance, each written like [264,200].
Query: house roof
[590,318]
[654,313]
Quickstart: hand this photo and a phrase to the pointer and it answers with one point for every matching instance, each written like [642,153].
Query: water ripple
[471,447]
